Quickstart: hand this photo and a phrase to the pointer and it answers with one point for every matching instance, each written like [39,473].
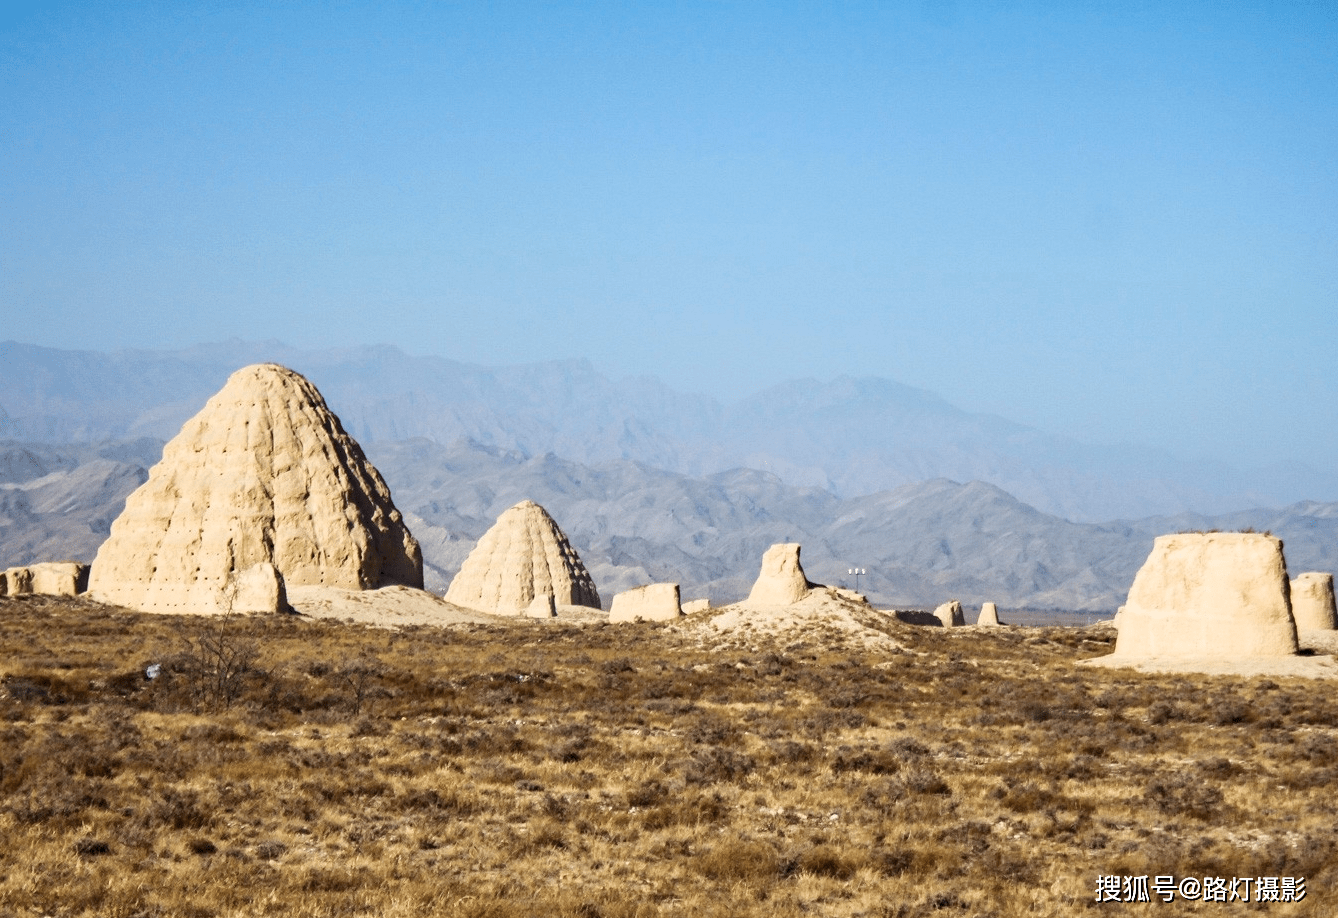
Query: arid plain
[255,708]
[290,766]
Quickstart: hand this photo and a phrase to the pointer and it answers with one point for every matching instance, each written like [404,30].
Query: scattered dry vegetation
[279,766]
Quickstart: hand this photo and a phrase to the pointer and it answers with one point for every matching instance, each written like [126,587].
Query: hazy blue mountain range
[58,503]
[633,524]
[850,436]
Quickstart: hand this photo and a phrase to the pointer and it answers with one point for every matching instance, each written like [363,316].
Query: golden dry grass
[288,767]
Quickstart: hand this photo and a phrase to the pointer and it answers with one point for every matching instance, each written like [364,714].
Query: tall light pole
[857,571]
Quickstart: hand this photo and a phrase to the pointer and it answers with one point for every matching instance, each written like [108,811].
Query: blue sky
[1111,221]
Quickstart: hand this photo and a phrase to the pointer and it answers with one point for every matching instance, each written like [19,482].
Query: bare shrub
[1185,795]
[179,809]
[829,861]
[211,671]
[872,761]
[908,748]
[270,850]
[924,782]
[687,810]
[648,793]
[739,860]
[91,847]
[362,679]
[712,764]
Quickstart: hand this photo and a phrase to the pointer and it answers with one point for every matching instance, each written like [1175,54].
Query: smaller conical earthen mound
[522,556]
[989,615]
[262,489]
[781,580]
[1312,602]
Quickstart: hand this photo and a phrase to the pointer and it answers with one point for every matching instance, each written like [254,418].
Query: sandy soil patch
[400,606]
[822,608]
[388,607]
[1315,661]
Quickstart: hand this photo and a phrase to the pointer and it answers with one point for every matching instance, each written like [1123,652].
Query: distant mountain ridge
[850,436]
[634,524]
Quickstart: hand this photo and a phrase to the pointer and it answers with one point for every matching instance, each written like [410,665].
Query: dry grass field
[302,768]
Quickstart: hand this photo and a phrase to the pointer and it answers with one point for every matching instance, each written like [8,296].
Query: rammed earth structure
[523,556]
[262,490]
[1215,595]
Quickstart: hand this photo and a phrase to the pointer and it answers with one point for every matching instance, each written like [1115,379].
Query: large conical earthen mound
[263,475]
[522,556]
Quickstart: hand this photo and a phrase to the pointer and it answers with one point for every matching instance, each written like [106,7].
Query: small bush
[827,861]
[270,850]
[1163,712]
[925,782]
[1027,797]
[709,766]
[1183,795]
[1219,768]
[908,748]
[1231,711]
[180,810]
[91,847]
[647,794]
[871,761]
[738,860]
